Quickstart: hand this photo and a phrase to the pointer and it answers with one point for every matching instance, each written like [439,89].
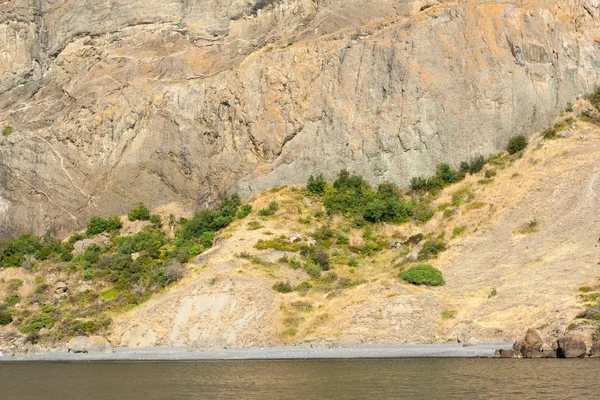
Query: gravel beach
[454,350]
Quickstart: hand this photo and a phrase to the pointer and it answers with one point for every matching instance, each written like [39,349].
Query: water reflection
[266,380]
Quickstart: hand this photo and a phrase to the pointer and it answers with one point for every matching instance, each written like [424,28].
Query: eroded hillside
[115,102]
[516,243]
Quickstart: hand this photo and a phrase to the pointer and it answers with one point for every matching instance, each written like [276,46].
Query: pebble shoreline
[315,352]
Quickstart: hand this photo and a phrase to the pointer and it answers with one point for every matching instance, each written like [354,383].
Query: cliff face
[113,102]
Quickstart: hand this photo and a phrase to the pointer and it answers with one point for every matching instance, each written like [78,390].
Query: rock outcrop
[571,346]
[165,101]
[91,344]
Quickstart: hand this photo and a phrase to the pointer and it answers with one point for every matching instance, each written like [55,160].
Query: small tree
[516,144]
[97,225]
[316,185]
[140,213]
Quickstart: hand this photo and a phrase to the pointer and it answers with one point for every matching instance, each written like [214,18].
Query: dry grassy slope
[228,301]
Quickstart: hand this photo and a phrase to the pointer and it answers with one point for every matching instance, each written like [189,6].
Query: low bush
[423,275]
[97,225]
[444,176]
[313,269]
[245,210]
[270,210]
[516,144]
[139,213]
[431,249]
[474,166]
[278,244]
[7,130]
[36,322]
[283,287]
[5,317]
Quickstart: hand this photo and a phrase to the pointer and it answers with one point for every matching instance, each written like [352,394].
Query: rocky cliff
[171,101]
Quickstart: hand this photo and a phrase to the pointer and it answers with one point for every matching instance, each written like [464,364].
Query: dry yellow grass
[229,301]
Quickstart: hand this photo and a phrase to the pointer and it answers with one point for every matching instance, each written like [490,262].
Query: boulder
[505,353]
[295,237]
[414,254]
[565,133]
[463,338]
[81,246]
[571,346]
[89,344]
[60,288]
[595,352]
[531,345]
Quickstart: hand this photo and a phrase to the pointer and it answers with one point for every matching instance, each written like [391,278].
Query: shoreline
[316,352]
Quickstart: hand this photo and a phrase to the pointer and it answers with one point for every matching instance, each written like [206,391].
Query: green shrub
[271,210]
[7,130]
[323,234]
[207,239]
[516,144]
[423,212]
[316,185]
[245,210]
[472,167]
[5,318]
[36,322]
[490,173]
[431,249]
[12,300]
[444,176]
[156,221]
[13,252]
[594,98]
[139,213]
[294,263]
[80,327]
[549,134]
[423,275]
[283,287]
[114,224]
[313,269]
[569,107]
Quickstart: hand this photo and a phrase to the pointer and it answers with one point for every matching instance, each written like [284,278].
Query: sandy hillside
[520,245]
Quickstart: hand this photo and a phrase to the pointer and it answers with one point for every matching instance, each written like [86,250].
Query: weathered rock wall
[113,102]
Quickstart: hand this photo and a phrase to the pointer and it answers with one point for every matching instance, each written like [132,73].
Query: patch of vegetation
[499,159]
[444,176]
[458,230]
[531,227]
[7,130]
[475,206]
[97,225]
[431,249]
[139,213]
[448,314]
[38,321]
[472,167]
[423,274]
[283,287]
[254,225]
[270,210]
[280,244]
[245,210]
[316,184]
[493,293]
[594,98]
[516,144]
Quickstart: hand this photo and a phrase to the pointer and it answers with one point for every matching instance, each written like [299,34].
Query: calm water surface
[266,380]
